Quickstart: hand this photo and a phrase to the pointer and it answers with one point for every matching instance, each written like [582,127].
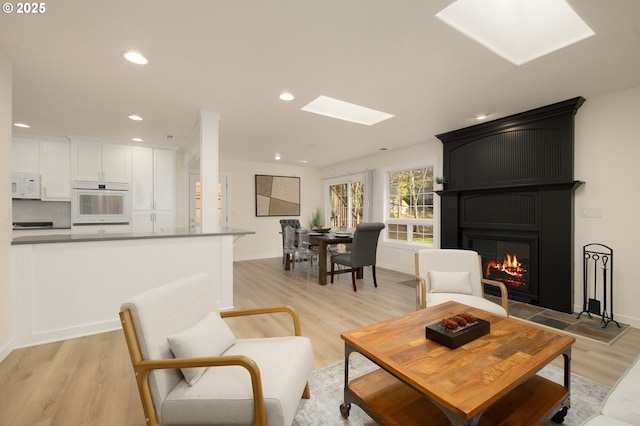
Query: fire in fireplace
[508,259]
[511,270]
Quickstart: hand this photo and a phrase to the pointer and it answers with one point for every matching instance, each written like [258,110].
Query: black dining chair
[363,251]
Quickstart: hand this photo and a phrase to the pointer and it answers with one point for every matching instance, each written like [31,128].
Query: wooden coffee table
[489,381]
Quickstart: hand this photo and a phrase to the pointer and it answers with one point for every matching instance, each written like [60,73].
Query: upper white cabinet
[164,179]
[55,173]
[141,178]
[152,189]
[48,157]
[25,155]
[100,162]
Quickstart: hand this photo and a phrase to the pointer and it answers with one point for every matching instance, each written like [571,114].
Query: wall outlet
[591,212]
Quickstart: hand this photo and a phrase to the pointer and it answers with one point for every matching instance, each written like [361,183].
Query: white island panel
[66,290]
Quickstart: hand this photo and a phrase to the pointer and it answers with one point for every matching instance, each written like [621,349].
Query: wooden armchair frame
[421,288]
[142,367]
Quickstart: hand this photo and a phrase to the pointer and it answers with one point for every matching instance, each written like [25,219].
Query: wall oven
[100,203]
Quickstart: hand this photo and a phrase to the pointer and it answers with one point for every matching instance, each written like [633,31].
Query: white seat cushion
[223,394]
[623,402]
[467,299]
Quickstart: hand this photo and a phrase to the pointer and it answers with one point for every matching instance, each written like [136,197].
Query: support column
[209,128]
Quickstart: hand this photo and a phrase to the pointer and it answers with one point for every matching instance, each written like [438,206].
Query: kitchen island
[68,286]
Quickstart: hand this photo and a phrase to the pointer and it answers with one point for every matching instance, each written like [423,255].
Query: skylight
[518,30]
[342,110]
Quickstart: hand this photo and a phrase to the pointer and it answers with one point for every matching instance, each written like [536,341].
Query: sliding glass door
[345,201]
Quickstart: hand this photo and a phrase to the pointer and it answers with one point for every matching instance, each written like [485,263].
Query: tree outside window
[346,201]
[410,205]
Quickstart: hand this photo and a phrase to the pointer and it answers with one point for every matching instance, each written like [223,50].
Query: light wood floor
[89,381]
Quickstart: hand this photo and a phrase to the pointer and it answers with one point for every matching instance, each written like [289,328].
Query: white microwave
[100,203]
[25,186]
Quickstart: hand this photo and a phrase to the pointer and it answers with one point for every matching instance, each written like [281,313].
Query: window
[409,197]
[345,201]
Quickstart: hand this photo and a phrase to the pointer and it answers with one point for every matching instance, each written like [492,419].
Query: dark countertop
[77,238]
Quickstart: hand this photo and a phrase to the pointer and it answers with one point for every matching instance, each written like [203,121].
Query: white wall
[6,309]
[267,242]
[607,155]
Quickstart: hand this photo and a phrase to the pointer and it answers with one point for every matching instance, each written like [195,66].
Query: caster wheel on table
[560,415]
[345,409]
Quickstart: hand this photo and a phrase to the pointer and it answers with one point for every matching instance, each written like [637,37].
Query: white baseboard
[393,267]
[6,350]
[68,333]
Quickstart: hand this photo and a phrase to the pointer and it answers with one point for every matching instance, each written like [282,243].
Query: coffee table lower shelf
[391,402]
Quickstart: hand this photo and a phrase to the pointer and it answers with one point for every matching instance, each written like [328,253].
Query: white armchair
[449,274]
[191,369]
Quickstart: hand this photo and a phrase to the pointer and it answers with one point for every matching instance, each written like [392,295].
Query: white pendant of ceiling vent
[342,110]
[518,30]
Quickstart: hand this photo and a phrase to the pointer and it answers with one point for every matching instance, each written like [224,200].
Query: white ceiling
[235,57]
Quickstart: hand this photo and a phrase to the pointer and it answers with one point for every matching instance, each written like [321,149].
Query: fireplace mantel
[538,187]
[515,175]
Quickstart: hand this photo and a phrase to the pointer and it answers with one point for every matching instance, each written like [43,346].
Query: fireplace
[510,259]
[509,196]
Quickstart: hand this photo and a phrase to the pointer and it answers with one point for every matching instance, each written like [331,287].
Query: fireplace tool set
[598,256]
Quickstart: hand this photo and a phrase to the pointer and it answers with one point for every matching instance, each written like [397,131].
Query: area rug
[327,384]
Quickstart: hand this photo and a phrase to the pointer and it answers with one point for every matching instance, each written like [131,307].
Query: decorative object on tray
[457,330]
[321,229]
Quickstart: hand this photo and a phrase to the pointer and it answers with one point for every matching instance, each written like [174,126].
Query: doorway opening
[195,208]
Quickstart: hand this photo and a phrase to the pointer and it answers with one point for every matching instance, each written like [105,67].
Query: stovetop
[32,225]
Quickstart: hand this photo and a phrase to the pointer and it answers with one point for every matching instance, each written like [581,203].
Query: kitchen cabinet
[152,189]
[55,170]
[25,155]
[101,229]
[100,161]
[50,158]
[152,221]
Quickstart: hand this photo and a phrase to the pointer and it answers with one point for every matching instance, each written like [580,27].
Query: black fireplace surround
[510,188]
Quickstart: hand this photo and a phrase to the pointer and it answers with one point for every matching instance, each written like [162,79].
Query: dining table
[323,241]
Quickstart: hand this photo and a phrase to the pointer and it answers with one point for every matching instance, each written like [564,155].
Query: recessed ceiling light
[136,58]
[519,31]
[286,96]
[277,157]
[342,110]
[480,116]
[137,140]
[135,118]
[24,126]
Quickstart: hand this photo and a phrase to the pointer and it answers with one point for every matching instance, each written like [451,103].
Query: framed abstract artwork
[277,195]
